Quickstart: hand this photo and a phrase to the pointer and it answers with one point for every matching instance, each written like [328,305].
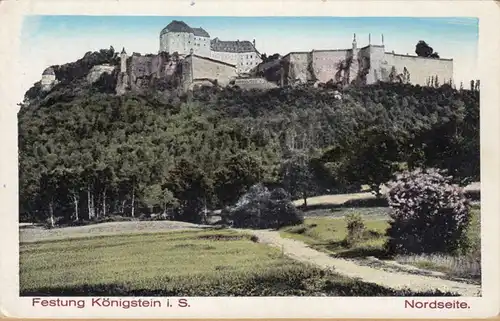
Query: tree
[190,185]
[422,49]
[297,177]
[261,208]
[153,197]
[235,175]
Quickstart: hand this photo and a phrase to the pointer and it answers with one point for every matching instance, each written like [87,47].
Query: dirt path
[395,280]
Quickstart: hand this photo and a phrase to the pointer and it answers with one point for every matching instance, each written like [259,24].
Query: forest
[86,153]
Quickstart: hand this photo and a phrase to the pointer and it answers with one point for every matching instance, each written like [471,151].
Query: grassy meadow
[188,263]
[328,234]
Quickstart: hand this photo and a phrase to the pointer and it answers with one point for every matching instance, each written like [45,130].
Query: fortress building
[48,79]
[201,60]
[178,37]
[366,65]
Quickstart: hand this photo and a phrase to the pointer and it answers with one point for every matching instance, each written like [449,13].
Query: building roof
[200,32]
[48,71]
[414,56]
[181,26]
[177,26]
[213,60]
[232,46]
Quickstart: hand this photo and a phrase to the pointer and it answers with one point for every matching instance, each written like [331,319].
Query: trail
[395,280]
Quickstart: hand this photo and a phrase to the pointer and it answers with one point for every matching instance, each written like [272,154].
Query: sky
[55,40]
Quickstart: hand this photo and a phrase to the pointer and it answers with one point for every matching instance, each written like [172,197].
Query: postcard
[278,159]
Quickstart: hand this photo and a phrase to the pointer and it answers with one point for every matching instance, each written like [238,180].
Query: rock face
[97,71]
[144,71]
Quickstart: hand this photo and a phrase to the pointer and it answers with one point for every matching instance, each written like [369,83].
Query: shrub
[260,208]
[429,214]
[355,228]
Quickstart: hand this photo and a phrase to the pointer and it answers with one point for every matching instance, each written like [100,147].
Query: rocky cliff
[100,71]
[160,72]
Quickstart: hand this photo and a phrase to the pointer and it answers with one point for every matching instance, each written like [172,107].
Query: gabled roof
[48,71]
[177,26]
[213,60]
[232,46]
[181,26]
[200,32]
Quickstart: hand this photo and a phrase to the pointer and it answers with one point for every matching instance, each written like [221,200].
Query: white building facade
[179,37]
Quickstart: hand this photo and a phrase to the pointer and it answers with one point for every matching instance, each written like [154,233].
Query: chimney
[254,43]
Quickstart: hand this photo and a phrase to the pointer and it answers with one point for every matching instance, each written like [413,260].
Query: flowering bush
[428,213]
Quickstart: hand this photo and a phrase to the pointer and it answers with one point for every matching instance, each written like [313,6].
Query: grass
[328,234]
[182,263]
[467,266]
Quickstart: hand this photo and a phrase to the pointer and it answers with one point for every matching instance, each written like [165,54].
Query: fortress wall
[141,66]
[47,80]
[421,69]
[254,83]
[176,42]
[163,43]
[298,66]
[325,63]
[187,75]
[376,56]
[209,69]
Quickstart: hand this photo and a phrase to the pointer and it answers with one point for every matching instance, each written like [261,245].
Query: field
[178,263]
[326,231]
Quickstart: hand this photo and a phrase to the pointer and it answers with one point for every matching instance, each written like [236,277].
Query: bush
[260,208]
[429,214]
[355,228]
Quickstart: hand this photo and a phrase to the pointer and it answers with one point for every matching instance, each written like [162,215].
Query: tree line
[86,154]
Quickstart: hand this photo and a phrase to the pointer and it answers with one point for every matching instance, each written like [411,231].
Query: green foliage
[422,49]
[429,215]
[355,228]
[261,208]
[85,154]
[297,177]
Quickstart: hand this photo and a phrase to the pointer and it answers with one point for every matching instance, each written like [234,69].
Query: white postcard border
[488,12]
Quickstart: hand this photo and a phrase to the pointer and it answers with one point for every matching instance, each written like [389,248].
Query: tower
[123,61]
[354,68]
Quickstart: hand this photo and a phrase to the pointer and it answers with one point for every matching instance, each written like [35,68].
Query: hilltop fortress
[193,58]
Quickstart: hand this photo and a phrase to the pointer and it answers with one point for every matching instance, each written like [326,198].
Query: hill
[86,153]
